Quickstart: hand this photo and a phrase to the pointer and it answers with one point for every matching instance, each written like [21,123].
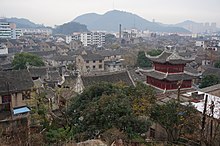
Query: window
[87,61]
[93,66]
[87,67]
[100,66]
[93,61]
[100,61]
[6,98]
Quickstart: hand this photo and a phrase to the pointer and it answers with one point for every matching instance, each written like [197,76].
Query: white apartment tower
[5,30]
[9,31]
[88,38]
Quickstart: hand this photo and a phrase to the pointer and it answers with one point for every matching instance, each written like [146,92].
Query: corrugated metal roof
[21,110]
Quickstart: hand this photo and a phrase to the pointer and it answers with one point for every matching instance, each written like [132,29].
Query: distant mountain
[187,22]
[69,28]
[23,23]
[110,22]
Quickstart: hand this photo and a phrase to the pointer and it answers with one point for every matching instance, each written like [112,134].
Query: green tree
[105,106]
[142,60]
[176,119]
[217,64]
[209,80]
[22,59]
[57,135]
[110,39]
[154,52]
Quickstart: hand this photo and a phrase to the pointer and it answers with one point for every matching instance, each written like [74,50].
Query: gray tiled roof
[38,71]
[43,53]
[107,53]
[91,57]
[211,71]
[63,58]
[15,81]
[169,77]
[111,78]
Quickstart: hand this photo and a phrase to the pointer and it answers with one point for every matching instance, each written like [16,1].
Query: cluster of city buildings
[80,60]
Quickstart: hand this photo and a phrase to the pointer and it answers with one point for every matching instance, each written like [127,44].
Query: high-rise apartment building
[88,38]
[9,31]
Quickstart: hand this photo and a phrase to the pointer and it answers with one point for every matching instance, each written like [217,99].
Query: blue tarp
[21,110]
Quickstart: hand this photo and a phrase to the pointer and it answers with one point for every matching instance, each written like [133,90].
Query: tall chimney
[120,33]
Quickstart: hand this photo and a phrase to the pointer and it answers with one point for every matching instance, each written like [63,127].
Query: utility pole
[203,119]
[179,83]
[211,124]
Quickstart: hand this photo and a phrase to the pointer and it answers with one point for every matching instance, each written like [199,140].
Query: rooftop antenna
[134,21]
[113,5]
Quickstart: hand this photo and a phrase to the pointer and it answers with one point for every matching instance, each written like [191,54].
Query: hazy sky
[55,12]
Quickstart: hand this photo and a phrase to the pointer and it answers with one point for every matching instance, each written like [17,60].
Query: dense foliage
[217,64]
[110,39]
[176,119]
[209,80]
[104,107]
[142,60]
[21,60]
[69,28]
[154,52]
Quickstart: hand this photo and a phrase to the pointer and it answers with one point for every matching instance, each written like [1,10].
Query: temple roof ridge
[170,56]
[158,56]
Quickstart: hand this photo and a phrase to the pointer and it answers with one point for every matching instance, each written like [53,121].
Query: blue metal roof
[21,110]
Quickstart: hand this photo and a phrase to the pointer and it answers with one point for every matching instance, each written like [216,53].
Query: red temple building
[168,72]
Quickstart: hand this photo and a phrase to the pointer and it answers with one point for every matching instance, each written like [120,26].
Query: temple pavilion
[168,71]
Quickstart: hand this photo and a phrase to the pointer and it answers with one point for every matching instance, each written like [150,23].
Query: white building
[44,31]
[88,38]
[9,31]
[5,30]
[75,36]
[200,43]
[3,49]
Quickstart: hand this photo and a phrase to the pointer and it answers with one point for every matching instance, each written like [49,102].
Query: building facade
[9,31]
[88,38]
[87,63]
[3,49]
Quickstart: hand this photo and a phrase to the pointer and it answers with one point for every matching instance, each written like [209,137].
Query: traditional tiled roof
[43,53]
[38,71]
[63,58]
[168,77]
[15,81]
[169,57]
[211,88]
[111,78]
[54,76]
[107,53]
[14,50]
[190,70]
[91,57]
[211,71]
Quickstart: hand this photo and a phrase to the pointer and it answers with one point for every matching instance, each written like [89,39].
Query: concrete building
[88,38]
[44,31]
[90,62]
[9,31]
[5,30]
[200,43]
[3,49]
